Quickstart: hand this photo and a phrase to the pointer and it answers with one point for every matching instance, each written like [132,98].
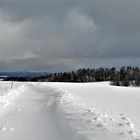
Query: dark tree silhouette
[125,76]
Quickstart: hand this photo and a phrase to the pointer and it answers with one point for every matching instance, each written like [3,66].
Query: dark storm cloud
[66,35]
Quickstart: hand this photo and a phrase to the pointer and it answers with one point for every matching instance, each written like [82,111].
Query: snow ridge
[86,122]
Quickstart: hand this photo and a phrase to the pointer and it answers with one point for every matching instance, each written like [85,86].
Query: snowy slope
[66,111]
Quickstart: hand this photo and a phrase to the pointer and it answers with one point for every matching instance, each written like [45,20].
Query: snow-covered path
[28,117]
[38,111]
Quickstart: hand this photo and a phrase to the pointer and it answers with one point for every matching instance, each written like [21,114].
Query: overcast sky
[67,35]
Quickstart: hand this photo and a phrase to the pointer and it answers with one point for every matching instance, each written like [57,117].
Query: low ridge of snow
[40,111]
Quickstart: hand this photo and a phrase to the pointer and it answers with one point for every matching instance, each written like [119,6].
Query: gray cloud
[55,36]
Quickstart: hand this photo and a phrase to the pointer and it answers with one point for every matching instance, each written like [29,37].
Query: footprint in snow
[12,129]
[3,128]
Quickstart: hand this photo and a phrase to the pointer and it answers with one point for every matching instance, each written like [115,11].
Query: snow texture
[40,111]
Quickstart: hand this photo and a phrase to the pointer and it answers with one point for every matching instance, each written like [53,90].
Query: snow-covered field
[69,111]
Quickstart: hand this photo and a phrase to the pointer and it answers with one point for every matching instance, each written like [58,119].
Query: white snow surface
[69,111]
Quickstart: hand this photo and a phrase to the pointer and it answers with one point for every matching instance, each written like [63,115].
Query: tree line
[125,76]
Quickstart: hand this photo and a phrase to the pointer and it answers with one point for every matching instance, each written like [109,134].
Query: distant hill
[23,74]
